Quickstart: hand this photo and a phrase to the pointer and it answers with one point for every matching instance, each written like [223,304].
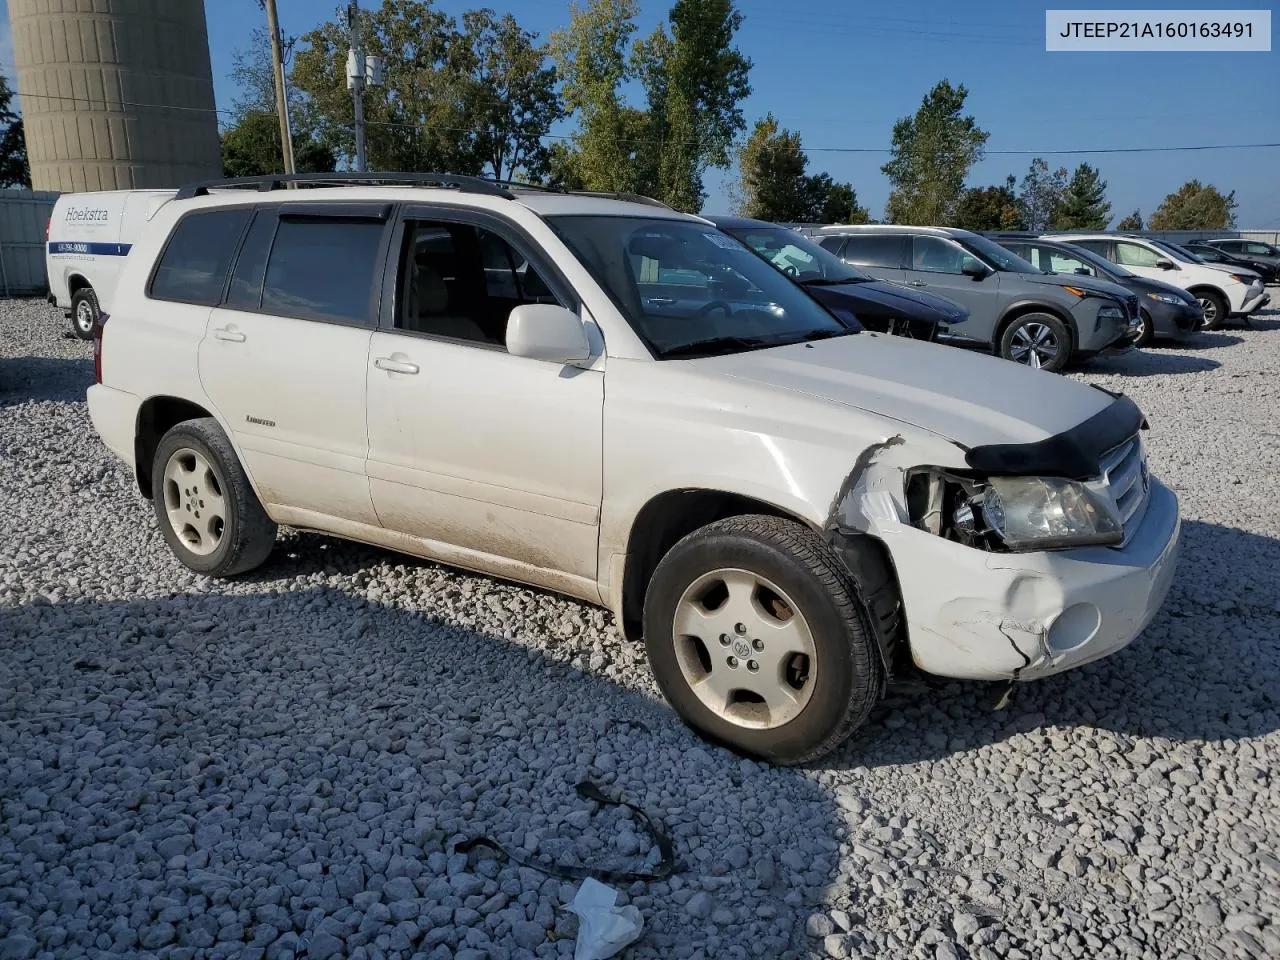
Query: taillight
[97,346]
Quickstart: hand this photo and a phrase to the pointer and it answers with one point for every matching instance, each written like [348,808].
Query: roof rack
[266,184]
[628,197]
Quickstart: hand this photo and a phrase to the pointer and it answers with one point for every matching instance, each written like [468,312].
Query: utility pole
[282,95]
[356,79]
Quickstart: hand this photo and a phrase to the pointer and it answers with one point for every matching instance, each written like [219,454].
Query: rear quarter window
[194,265]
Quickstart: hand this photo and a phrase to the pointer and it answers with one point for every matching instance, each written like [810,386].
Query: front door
[284,356]
[494,459]
[936,266]
[1141,259]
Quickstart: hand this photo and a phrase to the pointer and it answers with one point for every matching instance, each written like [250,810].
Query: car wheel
[1146,330]
[1038,340]
[1215,309]
[757,638]
[84,312]
[207,510]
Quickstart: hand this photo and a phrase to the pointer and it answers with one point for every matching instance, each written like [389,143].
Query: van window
[884,250]
[194,266]
[322,269]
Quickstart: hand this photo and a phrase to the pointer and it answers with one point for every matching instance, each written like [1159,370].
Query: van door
[937,266]
[284,355]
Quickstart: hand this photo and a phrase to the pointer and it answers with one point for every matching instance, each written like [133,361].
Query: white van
[88,237]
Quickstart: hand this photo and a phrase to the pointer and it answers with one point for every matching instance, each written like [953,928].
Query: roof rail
[449,181]
[613,195]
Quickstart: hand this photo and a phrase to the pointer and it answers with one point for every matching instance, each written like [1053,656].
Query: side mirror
[974,268]
[545,331]
[1164,264]
[1083,271]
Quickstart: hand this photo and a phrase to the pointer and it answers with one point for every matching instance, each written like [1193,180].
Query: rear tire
[1038,340]
[84,312]
[757,638]
[1215,309]
[206,508]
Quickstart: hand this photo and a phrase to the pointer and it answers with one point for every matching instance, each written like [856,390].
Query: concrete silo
[116,94]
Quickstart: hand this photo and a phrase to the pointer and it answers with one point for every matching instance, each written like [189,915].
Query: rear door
[882,255]
[936,265]
[285,354]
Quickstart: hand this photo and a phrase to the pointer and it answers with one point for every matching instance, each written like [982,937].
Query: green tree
[513,100]
[252,148]
[1083,205]
[989,208]
[774,186]
[932,153]
[694,81]
[1132,223]
[1041,193]
[1195,207]
[15,170]
[423,117]
[254,80]
[591,61]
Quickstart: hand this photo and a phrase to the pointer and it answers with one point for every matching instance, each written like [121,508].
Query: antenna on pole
[357,75]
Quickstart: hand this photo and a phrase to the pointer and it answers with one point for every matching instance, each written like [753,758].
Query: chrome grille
[1124,473]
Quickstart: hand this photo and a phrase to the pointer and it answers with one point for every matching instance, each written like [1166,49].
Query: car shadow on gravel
[39,379]
[266,758]
[1147,363]
[1206,669]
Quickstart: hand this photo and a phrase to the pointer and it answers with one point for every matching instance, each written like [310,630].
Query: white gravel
[277,766]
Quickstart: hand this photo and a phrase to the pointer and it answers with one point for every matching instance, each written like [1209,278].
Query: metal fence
[24,217]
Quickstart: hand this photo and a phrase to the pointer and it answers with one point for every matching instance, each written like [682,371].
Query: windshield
[796,256]
[1181,253]
[997,256]
[690,290]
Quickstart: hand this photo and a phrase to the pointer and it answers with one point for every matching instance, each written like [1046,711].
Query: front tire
[206,508]
[1215,309]
[758,640]
[1037,340]
[1147,332]
[84,312]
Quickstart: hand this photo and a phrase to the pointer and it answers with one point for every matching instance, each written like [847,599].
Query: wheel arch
[77,282]
[156,417]
[1021,308]
[1197,288]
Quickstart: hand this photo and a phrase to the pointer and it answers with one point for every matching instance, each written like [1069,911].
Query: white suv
[618,402]
[1222,291]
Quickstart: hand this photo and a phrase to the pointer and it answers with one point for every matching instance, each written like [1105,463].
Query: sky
[840,75]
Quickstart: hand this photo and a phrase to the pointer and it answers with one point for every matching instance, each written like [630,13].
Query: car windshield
[796,256]
[1180,253]
[997,256]
[1101,264]
[690,290]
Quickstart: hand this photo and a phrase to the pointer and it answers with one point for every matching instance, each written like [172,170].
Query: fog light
[1075,627]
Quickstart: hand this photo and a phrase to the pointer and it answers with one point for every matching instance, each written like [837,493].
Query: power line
[1068,153]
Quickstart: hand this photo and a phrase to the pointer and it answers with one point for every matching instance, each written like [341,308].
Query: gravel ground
[278,766]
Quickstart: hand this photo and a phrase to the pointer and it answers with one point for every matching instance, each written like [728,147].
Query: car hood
[1240,271]
[1092,284]
[968,398]
[891,298]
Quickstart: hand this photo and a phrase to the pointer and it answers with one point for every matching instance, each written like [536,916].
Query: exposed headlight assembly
[1041,513]
[1014,514]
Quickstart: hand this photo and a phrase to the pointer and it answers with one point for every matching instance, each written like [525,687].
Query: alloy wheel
[1210,311]
[84,316]
[1034,344]
[194,502]
[745,649]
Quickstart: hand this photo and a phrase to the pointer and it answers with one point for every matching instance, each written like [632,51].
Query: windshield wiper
[820,335]
[711,344]
[831,281]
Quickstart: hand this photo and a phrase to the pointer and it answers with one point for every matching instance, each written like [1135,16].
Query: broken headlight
[1010,513]
[1040,513]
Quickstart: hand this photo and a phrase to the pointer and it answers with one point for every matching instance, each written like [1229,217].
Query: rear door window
[323,269]
[245,292]
[194,265]
[883,250]
[1101,247]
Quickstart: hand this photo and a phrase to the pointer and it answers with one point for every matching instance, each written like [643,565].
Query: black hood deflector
[1074,454]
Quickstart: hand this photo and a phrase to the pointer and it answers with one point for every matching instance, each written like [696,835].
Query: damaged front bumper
[1020,616]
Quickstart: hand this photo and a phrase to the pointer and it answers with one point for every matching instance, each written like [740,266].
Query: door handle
[230,334]
[395,366]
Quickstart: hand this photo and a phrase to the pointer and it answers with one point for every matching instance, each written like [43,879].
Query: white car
[88,237]
[1222,291]
[618,402]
